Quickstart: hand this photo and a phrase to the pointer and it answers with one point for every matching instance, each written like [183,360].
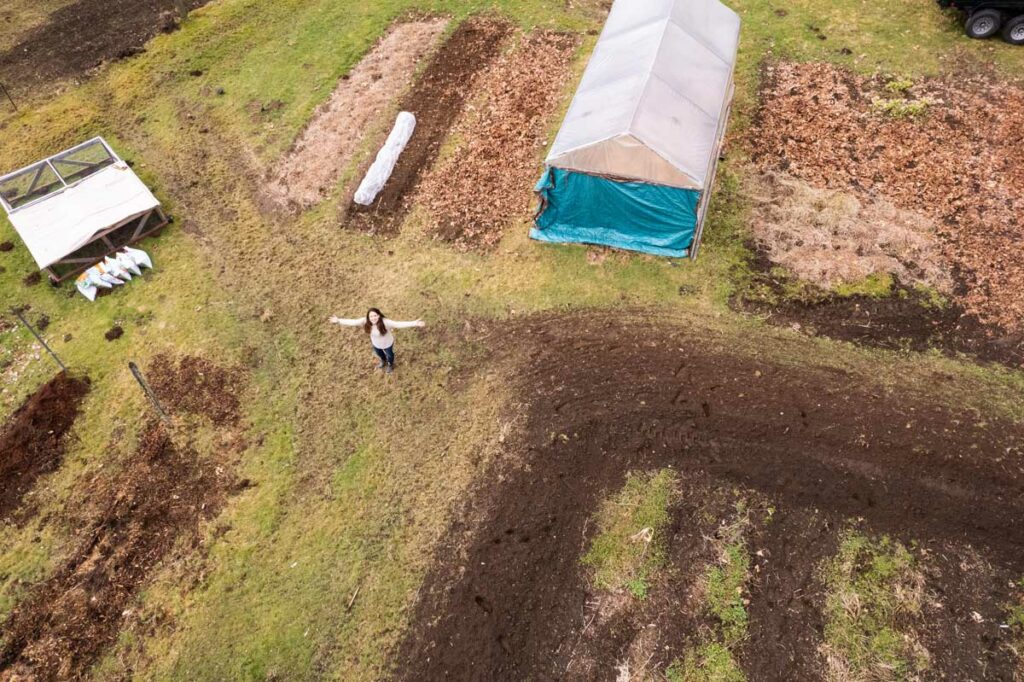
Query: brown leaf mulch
[959,163]
[486,182]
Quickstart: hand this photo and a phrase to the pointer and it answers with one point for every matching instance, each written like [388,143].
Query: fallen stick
[352,599]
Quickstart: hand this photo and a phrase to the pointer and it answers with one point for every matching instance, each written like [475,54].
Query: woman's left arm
[395,324]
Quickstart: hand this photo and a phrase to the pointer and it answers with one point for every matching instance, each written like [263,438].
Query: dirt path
[32,443]
[436,100]
[825,441]
[80,37]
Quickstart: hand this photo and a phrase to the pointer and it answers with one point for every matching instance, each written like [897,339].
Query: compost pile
[486,180]
[949,150]
[196,386]
[32,443]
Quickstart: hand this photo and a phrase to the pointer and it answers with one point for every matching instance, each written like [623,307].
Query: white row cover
[62,223]
[652,102]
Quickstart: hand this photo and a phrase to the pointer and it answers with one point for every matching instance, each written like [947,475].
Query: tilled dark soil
[81,36]
[820,444]
[32,442]
[903,320]
[129,522]
[436,100]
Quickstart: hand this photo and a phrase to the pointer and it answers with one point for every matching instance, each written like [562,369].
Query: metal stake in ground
[148,391]
[10,99]
[39,338]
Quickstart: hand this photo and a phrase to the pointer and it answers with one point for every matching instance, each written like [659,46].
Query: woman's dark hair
[380,322]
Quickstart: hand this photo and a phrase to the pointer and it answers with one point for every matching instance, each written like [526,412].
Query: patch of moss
[630,545]
[876,285]
[711,663]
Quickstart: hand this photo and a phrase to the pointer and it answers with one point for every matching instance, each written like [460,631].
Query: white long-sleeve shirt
[382,341]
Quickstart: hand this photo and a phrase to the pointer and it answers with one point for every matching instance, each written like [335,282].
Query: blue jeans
[387,356]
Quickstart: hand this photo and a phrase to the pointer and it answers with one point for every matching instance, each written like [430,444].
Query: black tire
[983,24]
[1013,31]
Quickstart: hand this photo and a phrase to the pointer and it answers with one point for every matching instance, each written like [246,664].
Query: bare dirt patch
[323,151]
[32,443]
[958,162]
[486,181]
[83,35]
[906,319]
[197,386]
[829,237]
[828,446]
[436,99]
[129,523]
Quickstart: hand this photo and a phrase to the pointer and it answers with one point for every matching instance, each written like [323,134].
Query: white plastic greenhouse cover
[654,97]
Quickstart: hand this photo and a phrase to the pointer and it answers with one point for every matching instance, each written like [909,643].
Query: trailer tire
[983,24]
[1013,31]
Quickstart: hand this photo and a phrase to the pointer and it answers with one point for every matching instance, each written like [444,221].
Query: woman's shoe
[389,368]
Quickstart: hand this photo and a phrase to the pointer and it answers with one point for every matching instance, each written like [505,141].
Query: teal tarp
[589,209]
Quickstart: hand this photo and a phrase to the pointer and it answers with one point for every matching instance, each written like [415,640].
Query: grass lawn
[355,478]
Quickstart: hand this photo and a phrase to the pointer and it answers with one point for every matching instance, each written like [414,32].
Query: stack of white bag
[112,271]
[386,159]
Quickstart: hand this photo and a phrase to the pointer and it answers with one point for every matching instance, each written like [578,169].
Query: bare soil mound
[325,148]
[508,597]
[83,35]
[32,442]
[195,385]
[946,149]
[436,100]
[130,522]
[486,182]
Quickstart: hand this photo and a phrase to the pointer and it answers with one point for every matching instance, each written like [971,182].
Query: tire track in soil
[786,598]
[436,99]
[803,438]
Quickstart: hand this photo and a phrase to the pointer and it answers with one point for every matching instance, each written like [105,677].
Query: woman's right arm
[344,322]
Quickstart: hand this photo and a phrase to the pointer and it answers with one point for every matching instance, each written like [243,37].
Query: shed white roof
[70,215]
[652,102]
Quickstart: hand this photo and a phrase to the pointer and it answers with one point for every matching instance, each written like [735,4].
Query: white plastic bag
[387,157]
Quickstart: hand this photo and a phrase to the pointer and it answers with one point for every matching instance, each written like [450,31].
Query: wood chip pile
[957,162]
[485,183]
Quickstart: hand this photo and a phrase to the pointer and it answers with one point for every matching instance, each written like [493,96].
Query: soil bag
[386,159]
[86,287]
[139,257]
[116,269]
